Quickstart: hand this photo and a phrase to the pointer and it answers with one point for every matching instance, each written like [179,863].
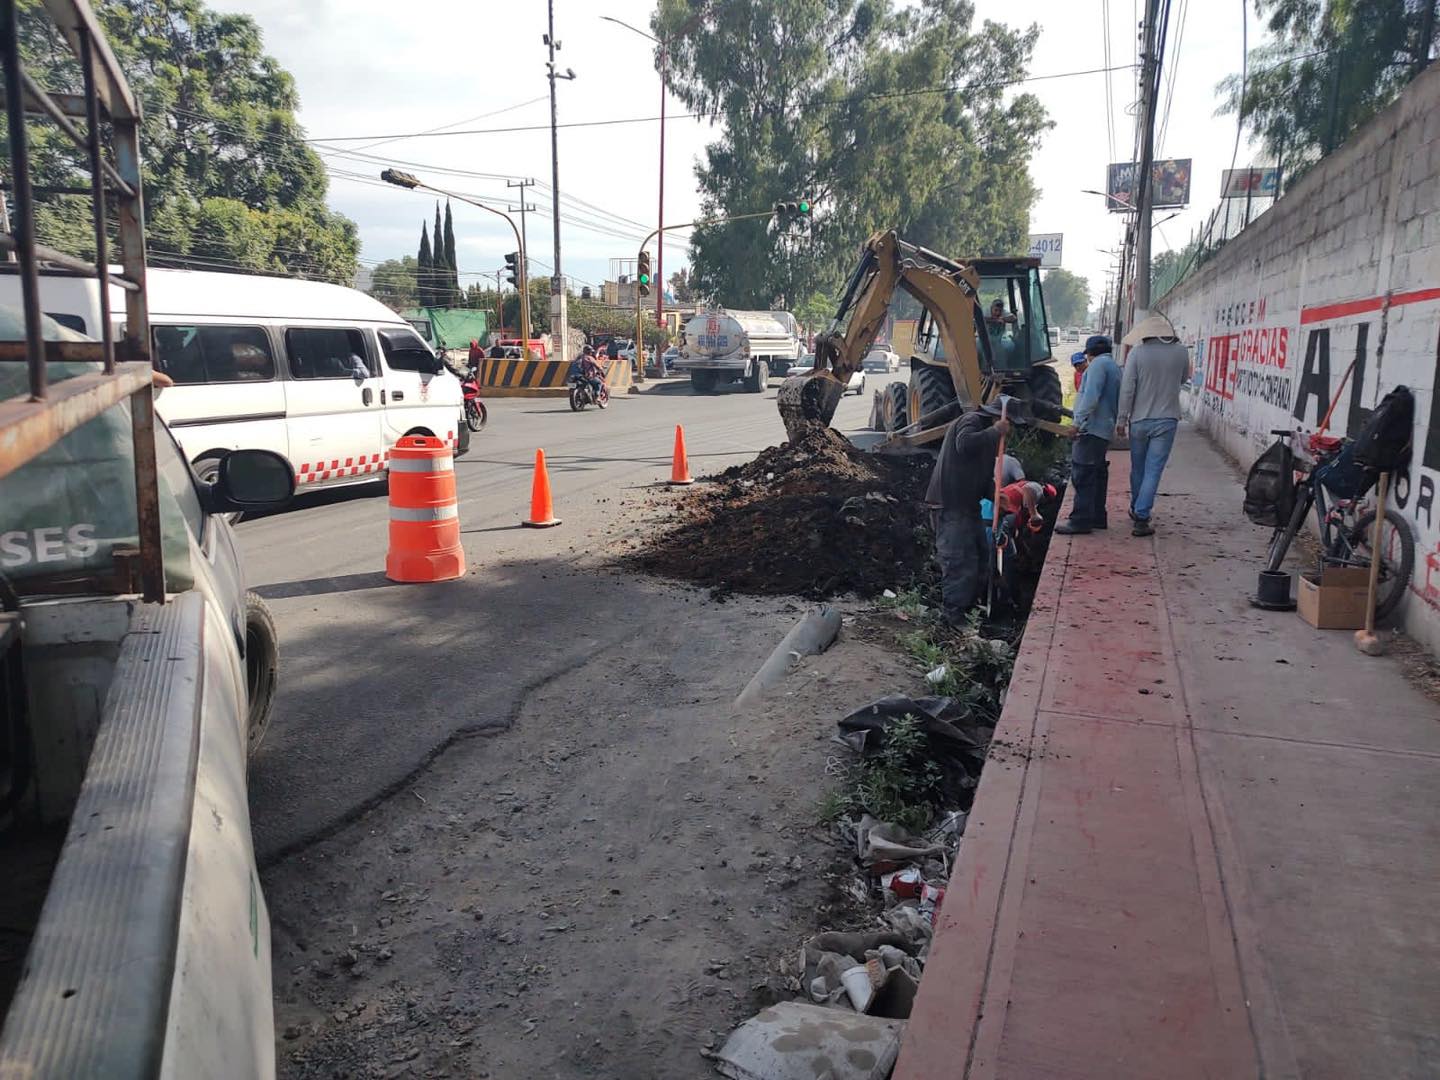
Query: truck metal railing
[33,423]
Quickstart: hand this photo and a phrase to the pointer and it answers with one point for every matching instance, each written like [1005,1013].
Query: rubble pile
[814,518]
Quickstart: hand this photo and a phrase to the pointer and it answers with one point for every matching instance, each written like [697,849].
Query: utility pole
[522,185]
[1149,84]
[660,216]
[559,329]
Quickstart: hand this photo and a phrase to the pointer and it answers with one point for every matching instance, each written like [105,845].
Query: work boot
[1142,528]
[1069,528]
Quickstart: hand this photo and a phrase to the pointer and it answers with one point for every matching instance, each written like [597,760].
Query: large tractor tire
[1043,393]
[895,410]
[931,388]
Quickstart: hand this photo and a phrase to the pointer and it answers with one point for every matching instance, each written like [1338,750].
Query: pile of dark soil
[813,518]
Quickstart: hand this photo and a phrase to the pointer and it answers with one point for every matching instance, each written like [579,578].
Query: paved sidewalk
[1207,843]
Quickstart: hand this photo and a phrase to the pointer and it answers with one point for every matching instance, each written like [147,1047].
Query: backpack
[1270,486]
[1383,444]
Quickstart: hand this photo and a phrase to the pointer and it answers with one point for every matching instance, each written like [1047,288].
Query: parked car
[882,361]
[141,715]
[326,377]
[669,356]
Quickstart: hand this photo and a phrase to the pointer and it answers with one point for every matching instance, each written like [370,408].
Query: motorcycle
[582,394]
[475,413]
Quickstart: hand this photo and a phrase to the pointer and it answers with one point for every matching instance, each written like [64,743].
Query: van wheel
[262,669]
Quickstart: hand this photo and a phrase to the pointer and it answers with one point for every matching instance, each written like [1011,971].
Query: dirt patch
[600,891]
[814,518]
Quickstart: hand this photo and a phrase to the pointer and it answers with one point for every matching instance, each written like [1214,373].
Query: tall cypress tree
[453,281]
[423,270]
[440,277]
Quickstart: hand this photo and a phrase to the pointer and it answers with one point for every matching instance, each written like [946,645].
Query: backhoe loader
[983,333]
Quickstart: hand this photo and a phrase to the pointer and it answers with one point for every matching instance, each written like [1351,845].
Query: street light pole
[411,183]
[660,215]
[550,43]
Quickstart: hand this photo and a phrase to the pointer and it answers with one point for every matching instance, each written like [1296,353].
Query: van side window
[404,351]
[213,354]
[70,322]
[326,353]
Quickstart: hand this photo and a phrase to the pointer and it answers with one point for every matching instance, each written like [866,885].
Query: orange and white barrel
[424,512]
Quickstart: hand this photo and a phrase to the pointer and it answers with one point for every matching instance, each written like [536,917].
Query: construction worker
[1094,427]
[964,474]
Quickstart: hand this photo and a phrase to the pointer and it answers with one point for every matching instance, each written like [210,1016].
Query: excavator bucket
[812,398]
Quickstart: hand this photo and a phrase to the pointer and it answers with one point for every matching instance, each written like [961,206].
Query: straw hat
[1156,326]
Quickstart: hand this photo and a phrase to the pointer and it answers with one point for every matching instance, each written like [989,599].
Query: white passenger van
[324,375]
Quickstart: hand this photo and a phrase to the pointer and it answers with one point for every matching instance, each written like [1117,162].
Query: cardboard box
[1337,600]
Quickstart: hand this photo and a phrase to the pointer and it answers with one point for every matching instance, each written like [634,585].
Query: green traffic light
[804,207]
[644,279]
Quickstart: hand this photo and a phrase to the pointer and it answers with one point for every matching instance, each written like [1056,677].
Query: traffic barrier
[523,374]
[680,464]
[618,375]
[424,512]
[542,510]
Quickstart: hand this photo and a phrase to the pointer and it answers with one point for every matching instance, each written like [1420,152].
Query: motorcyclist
[585,367]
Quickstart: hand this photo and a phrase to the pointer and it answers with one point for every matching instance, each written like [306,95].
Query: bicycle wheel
[1282,538]
[1397,556]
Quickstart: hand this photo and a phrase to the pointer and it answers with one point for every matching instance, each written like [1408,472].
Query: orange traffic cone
[542,511]
[680,467]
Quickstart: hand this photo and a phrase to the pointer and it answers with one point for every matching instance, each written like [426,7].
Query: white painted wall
[1345,267]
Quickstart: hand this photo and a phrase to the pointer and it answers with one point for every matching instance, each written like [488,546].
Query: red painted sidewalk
[1206,842]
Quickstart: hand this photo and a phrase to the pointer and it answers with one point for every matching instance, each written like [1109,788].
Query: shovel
[997,563]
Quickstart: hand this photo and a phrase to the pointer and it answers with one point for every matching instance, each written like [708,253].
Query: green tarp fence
[451,328]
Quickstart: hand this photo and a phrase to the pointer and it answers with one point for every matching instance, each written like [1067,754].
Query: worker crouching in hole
[964,474]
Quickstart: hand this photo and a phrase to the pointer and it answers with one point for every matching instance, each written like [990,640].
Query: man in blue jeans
[1094,427]
[1158,365]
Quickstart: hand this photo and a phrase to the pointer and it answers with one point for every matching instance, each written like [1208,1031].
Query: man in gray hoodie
[1150,410]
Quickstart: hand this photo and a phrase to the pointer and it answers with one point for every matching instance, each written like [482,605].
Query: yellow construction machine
[983,333]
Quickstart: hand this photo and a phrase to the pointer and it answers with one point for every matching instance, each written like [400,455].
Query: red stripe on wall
[1326,312]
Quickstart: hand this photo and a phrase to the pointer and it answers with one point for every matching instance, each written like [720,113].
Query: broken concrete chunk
[795,1041]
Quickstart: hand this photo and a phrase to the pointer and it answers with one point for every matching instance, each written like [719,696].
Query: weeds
[899,783]
[977,668]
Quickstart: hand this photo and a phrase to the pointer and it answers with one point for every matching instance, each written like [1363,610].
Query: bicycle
[1346,533]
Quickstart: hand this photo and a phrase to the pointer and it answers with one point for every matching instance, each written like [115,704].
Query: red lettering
[1260,314]
[1283,346]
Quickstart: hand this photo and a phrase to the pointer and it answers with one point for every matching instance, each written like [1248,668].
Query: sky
[368,70]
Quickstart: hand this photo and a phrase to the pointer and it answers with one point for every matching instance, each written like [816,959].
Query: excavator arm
[947,289]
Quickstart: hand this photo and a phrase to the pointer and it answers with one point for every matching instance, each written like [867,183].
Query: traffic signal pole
[411,182]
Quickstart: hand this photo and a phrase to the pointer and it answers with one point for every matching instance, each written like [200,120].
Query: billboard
[1046,246]
[1169,185]
[1239,183]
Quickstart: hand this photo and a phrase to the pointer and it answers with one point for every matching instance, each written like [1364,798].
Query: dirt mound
[813,518]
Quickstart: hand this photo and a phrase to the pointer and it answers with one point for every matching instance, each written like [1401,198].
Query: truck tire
[896,409]
[758,378]
[1042,391]
[702,382]
[262,667]
[930,388]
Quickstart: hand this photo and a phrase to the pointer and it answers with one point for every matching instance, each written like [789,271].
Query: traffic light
[512,268]
[792,211]
[642,273]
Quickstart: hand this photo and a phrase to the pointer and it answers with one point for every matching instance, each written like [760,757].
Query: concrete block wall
[1344,270]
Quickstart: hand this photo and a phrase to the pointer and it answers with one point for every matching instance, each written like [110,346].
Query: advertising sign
[1169,180]
[1238,183]
[1046,247]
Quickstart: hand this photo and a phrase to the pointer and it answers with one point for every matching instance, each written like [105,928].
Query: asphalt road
[377,678]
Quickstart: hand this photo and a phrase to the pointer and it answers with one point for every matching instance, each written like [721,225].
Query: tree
[394,283]
[425,271]
[877,114]
[1067,298]
[452,283]
[1331,66]
[680,286]
[439,268]
[222,148]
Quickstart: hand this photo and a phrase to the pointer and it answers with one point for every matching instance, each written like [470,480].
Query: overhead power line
[947,88]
